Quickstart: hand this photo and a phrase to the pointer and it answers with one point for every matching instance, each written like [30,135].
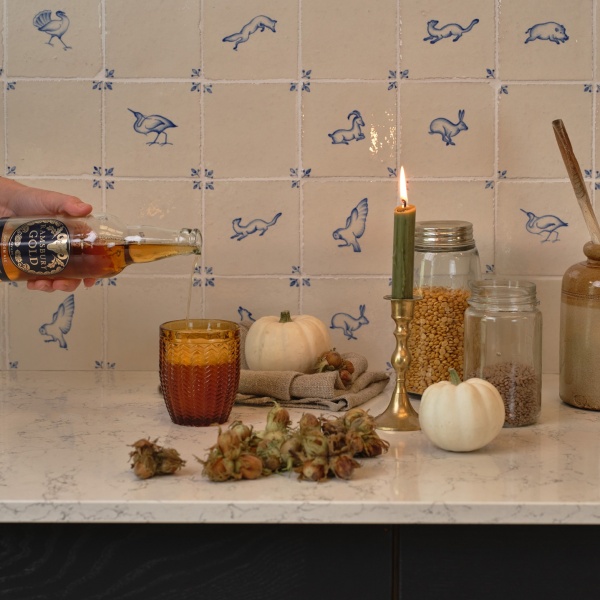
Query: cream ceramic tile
[546,40]
[349,129]
[55,331]
[348,227]
[539,229]
[548,293]
[75,50]
[54,128]
[526,143]
[2,131]
[471,201]
[250,130]
[252,228]
[447,129]
[357,314]
[171,205]
[361,45]
[250,39]
[152,129]
[136,308]
[447,40]
[3,326]
[168,44]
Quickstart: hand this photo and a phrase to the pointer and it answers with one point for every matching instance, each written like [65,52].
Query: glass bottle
[579,372]
[503,345]
[446,260]
[84,247]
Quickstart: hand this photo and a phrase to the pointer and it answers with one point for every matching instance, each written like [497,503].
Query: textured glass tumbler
[199,369]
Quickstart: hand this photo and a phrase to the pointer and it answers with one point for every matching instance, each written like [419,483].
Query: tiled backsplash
[268,123]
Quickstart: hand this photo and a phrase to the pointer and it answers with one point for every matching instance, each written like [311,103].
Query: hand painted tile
[362,45]
[447,40]
[546,40]
[447,129]
[44,41]
[250,40]
[349,129]
[548,293]
[166,45]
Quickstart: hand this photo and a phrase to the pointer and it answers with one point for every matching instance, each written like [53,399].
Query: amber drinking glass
[199,369]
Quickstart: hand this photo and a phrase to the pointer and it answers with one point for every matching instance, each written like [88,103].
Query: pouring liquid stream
[190,288]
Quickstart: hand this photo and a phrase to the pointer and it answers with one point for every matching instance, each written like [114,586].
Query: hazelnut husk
[150,459]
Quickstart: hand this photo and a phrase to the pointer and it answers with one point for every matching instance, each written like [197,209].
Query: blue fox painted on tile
[349,324]
[343,136]
[447,129]
[547,225]
[152,124]
[259,23]
[354,228]
[550,31]
[243,231]
[61,322]
[55,28]
[451,30]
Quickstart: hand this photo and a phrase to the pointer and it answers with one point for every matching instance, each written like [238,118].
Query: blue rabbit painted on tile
[55,28]
[243,231]
[343,136]
[547,225]
[152,124]
[61,323]
[447,129]
[451,30]
[259,23]
[354,228]
[550,31]
[349,324]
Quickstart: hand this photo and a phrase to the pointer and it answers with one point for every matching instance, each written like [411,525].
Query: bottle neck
[185,241]
[503,295]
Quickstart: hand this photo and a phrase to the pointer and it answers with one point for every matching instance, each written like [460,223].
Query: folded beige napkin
[319,390]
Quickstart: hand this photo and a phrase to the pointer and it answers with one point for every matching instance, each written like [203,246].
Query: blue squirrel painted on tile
[55,28]
[550,31]
[451,30]
[547,225]
[447,129]
[61,322]
[152,124]
[343,136]
[259,23]
[349,324]
[253,226]
[354,228]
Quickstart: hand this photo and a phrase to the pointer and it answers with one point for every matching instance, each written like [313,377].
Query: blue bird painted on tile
[547,225]
[343,136]
[447,129]
[61,323]
[259,23]
[243,231]
[355,226]
[349,324]
[451,30]
[152,124]
[55,28]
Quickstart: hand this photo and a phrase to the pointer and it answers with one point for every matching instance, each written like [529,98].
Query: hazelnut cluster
[333,361]
[150,459]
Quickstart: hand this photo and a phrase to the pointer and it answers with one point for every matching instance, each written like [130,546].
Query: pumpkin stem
[454,377]
[285,317]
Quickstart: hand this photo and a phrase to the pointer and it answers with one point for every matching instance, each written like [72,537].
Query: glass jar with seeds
[446,260]
[503,345]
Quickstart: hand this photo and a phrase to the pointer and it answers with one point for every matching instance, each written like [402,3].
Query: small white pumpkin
[461,416]
[286,343]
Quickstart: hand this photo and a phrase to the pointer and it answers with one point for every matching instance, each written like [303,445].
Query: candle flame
[402,188]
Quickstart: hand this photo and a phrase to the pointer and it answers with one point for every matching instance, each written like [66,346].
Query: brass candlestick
[400,415]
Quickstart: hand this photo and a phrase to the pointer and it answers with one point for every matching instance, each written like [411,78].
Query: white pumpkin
[461,416]
[286,343]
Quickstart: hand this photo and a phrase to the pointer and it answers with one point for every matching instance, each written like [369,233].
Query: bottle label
[39,247]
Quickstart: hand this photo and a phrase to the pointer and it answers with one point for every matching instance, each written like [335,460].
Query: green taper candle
[403,256]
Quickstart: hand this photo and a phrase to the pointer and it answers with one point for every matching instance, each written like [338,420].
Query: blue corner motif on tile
[259,23]
[549,31]
[55,28]
[451,30]
[547,225]
[343,136]
[61,322]
[253,226]
[447,129]
[152,124]
[354,228]
[349,324]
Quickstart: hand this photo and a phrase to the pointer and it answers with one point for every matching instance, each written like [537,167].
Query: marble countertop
[64,457]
